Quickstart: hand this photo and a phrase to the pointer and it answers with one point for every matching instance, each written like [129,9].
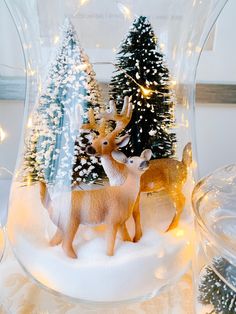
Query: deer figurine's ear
[146,154]
[123,141]
[119,157]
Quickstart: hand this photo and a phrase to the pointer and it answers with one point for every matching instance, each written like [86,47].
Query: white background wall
[216,131]
[215,124]
[11,58]
[219,65]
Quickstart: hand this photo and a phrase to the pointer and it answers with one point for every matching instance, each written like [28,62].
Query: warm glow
[30,71]
[29,180]
[56,39]
[30,123]
[2,242]
[100,228]
[190,44]
[81,67]
[3,135]
[40,87]
[97,45]
[145,91]
[198,49]
[83,2]
[173,83]
[194,164]
[114,49]
[162,45]
[17,174]
[189,52]
[174,52]
[179,233]
[124,10]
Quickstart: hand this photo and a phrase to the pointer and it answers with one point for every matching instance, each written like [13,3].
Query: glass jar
[88,169]
[215,264]
[5,183]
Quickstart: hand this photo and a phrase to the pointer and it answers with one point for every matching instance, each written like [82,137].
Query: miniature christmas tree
[214,291]
[55,151]
[142,74]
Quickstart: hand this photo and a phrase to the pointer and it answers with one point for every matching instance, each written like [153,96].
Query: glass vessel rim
[221,245]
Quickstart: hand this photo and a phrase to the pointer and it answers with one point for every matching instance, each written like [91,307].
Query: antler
[121,119]
[93,125]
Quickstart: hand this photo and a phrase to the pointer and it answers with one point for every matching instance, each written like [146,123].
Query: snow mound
[136,269]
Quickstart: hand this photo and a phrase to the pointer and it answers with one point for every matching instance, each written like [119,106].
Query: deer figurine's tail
[187,155]
[44,196]
[58,208]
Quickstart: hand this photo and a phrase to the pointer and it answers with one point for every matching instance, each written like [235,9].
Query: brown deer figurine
[167,173]
[112,205]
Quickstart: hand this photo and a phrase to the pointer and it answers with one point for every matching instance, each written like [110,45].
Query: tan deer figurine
[112,205]
[167,173]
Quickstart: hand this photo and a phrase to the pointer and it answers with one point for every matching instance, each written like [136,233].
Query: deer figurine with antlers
[112,205]
[167,173]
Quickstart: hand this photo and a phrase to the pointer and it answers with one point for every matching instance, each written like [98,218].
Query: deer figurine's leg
[179,201]
[137,221]
[57,238]
[112,231]
[125,233]
[180,207]
[69,237]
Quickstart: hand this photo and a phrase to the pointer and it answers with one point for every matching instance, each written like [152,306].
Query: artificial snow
[135,270]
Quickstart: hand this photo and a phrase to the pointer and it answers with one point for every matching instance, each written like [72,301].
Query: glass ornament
[215,262]
[76,182]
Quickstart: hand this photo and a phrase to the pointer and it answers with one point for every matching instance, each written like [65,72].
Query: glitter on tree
[55,149]
[141,73]
[214,291]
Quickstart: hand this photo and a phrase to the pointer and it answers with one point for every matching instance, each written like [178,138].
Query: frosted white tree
[55,149]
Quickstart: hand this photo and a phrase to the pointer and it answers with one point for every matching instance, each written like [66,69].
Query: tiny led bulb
[3,135]
[56,39]
[30,123]
[179,233]
[83,2]
[29,180]
[145,91]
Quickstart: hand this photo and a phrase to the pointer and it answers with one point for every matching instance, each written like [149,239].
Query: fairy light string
[145,91]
